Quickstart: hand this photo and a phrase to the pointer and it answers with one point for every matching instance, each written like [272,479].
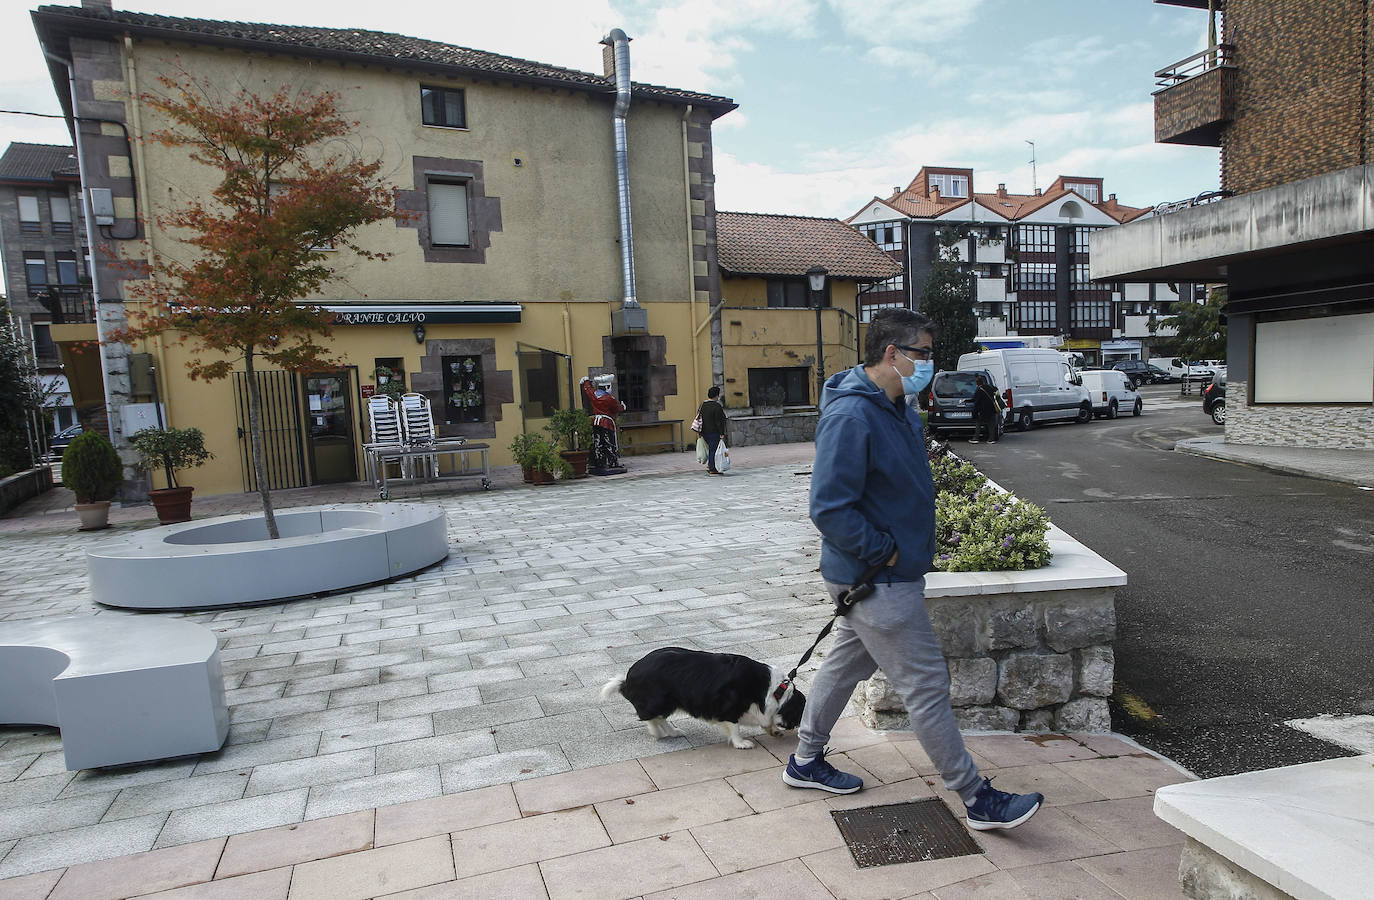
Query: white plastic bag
[703,453]
[722,457]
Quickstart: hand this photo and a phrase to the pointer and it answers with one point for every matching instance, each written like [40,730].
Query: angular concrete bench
[1302,831]
[122,689]
[229,561]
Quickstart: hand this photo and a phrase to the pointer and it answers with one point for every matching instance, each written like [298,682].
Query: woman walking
[712,415]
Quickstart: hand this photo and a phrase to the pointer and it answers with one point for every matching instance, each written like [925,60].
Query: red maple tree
[289,193]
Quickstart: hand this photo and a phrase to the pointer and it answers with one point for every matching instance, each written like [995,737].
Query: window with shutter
[28,213]
[448,214]
[61,207]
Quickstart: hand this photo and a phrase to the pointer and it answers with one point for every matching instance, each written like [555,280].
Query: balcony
[1196,98]
[67,304]
[991,290]
[992,251]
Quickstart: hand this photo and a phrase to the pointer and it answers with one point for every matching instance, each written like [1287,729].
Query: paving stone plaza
[483,670]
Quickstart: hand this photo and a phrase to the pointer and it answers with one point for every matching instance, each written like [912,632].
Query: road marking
[1351,732]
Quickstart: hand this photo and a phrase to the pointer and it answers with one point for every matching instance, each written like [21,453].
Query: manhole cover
[918,831]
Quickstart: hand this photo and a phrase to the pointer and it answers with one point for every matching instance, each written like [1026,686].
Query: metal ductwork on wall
[631,318]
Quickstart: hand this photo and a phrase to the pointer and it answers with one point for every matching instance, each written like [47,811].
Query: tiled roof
[37,162]
[761,244]
[351,43]
[1011,206]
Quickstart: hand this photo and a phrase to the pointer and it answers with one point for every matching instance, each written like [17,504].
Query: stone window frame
[484,212]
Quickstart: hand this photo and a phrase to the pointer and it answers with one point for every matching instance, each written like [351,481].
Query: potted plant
[170,449]
[572,427]
[389,383]
[538,457]
[92,470]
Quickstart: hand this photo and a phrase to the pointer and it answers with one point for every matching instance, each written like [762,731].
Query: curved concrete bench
[122,689]
[229,561]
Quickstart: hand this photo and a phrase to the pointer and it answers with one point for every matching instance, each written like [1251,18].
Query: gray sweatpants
[890,629]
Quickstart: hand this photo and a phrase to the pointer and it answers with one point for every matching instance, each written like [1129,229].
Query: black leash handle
[843,604]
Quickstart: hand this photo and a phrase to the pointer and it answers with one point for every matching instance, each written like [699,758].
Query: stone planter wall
[1027,651]
[786,428]
[22,486]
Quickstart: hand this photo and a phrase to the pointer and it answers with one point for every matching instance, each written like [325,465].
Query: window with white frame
[448,214]
[28,213]
[61,207]
[1090,314]
[1037,314]
[1033,277]
[887,235]
[1087,191]
[949,185]
[866,310]
[35,270]
[1033,238]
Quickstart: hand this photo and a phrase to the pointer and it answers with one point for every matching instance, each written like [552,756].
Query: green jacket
[712,417]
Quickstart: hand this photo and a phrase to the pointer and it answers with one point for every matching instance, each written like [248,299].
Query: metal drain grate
[918,831]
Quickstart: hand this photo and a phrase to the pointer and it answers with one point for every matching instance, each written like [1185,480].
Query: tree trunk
[255,441]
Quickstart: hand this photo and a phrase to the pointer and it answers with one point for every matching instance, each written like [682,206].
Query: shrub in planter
[91,469]
[572,428]
[171,449]
[538,456]
[988,532]
[953,475]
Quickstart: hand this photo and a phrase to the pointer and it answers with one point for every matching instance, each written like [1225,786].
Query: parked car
[1136,370]
[1035,383]
[58,445]
[1112,393]
[1214,400]
[949,402]
[1160,376]
[1178,367]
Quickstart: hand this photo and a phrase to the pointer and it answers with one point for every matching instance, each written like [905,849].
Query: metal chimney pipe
[620,45]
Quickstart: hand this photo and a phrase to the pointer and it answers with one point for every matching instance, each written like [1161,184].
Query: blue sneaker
[997,809]
[821,775]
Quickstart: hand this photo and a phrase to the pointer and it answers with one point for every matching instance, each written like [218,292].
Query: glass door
[330,416]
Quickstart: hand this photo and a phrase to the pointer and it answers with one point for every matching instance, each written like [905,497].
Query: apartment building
[43,236]
[1027,259]
[1283,94]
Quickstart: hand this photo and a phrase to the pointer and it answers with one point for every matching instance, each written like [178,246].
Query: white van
[1111,392]
[1036,383]
[1179,367]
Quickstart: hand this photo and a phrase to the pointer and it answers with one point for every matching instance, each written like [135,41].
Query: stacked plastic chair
[418,424]
[384,418]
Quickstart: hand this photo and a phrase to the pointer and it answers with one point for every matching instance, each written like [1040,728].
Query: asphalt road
[1251,593]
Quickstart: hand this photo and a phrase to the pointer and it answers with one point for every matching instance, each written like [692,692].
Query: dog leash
[843,604]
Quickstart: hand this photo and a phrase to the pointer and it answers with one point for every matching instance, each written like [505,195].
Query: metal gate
[283,434]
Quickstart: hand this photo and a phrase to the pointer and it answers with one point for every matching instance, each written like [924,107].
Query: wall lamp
[420,333]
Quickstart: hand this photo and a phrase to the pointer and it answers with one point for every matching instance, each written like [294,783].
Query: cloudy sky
[840,100]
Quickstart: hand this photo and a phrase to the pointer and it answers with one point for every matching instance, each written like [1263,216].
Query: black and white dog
[724,689]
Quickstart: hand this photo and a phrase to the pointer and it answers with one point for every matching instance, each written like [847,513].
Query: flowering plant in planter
[979,528]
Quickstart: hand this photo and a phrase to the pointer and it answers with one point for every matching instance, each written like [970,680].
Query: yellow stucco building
[508,282]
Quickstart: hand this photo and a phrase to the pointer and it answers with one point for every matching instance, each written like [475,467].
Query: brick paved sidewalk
[712,822]
[474,686]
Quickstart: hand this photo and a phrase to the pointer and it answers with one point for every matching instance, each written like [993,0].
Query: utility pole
[1035,186]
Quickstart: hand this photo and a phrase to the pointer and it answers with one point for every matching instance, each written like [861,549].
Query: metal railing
[1201,199]
[1213,57]
[67,304]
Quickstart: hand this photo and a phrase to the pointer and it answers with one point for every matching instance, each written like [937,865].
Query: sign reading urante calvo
[422,314]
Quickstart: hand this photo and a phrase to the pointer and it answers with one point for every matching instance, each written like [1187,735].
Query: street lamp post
[816,276]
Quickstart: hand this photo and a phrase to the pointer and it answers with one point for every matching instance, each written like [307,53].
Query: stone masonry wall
[1302,106]
[1017,662]
[1336,427]
[788,428]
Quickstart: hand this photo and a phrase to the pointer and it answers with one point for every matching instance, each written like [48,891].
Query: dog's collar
[781,690]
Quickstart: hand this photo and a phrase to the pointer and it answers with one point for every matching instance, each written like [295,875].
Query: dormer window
[947,184]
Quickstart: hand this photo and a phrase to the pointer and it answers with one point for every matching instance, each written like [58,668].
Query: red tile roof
[763,244]
[346,43]
[913,203]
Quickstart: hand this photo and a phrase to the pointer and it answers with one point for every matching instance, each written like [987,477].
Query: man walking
[873,500]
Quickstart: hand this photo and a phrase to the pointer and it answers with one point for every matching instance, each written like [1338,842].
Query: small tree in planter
[572,427]
[538,457]
[92,470]
[171,449]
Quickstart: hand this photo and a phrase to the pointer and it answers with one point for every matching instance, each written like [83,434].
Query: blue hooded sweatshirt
[871,490]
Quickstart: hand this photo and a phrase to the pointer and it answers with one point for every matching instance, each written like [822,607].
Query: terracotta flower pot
[578,460]
[539,476]
[94,516]
[172,504]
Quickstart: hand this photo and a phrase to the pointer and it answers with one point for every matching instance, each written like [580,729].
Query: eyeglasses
[921,352]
